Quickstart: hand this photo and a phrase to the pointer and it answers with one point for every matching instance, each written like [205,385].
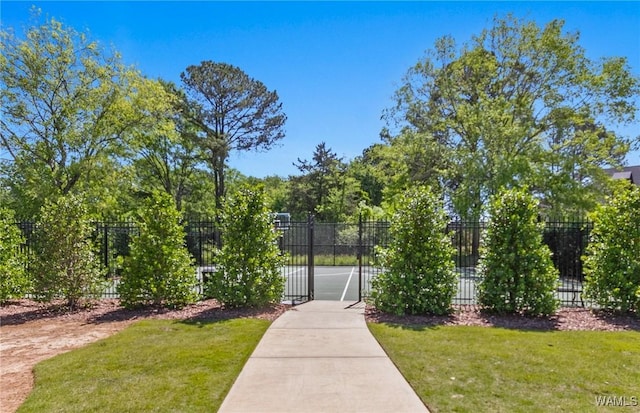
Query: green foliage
[419,276]
[517,103]
[371,213]
[612,263]
[159,269]
[517,273]
[277,190]
[14,281]
[249,272]
[234,112]
[69,107]
[66,265]
[322,187]
[168,160]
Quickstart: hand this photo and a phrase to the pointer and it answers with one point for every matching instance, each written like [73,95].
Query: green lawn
[152,366]
[476,369]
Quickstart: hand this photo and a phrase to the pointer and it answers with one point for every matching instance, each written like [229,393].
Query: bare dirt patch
[31,332]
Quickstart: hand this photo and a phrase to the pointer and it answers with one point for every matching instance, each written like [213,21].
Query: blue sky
[335,65]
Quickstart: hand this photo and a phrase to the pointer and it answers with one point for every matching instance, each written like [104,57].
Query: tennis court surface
[339,283]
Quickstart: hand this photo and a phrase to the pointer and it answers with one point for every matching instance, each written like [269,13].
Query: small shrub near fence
[13,276]
[418,275]
[249,273]
[66,265]
[613,257]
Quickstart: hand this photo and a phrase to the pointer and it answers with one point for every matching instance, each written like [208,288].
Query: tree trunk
[218,176]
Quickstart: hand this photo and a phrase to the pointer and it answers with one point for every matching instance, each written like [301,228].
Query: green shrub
[159,270]
[66,265]
[14,281]
[517,273]
[612,262]
[249,263]
[419,276]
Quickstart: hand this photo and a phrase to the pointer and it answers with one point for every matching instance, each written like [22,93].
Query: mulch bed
[104,311]
[565,319]
[109,310]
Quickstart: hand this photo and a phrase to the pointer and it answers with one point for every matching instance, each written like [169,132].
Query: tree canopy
[233,111]
[67,106]
[169,160]
[519,104]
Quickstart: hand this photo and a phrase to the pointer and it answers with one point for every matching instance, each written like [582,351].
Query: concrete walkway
[320,357]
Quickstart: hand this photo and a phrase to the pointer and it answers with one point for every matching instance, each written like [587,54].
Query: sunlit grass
[152,366]
[476,369]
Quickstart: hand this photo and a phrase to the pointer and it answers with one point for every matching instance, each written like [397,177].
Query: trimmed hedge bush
[66,265]
[249,263]
[612,262]
[159,270]
[419,276]
[517,274]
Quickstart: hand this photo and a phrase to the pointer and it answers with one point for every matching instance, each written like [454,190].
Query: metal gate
[310,245]
[296,240]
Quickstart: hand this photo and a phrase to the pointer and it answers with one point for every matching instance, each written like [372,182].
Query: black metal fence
[311,243]
[296,241]
[566,240]
[112,240]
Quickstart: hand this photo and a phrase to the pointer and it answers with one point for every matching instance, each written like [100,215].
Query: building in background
[630,173]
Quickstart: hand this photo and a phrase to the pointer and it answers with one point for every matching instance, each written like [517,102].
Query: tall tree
[371,170]
[519,104]
[234,112]
[324,187]
[168,160]
[276,189]
[66,105]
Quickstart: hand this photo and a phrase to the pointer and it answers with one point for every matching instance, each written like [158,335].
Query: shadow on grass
[565,319]
[270,312]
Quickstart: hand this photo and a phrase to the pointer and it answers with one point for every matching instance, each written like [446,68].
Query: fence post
[310,256]
[105,241]
[360,257]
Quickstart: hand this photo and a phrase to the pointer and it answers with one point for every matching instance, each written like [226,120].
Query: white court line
[296,271]
[347,286]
